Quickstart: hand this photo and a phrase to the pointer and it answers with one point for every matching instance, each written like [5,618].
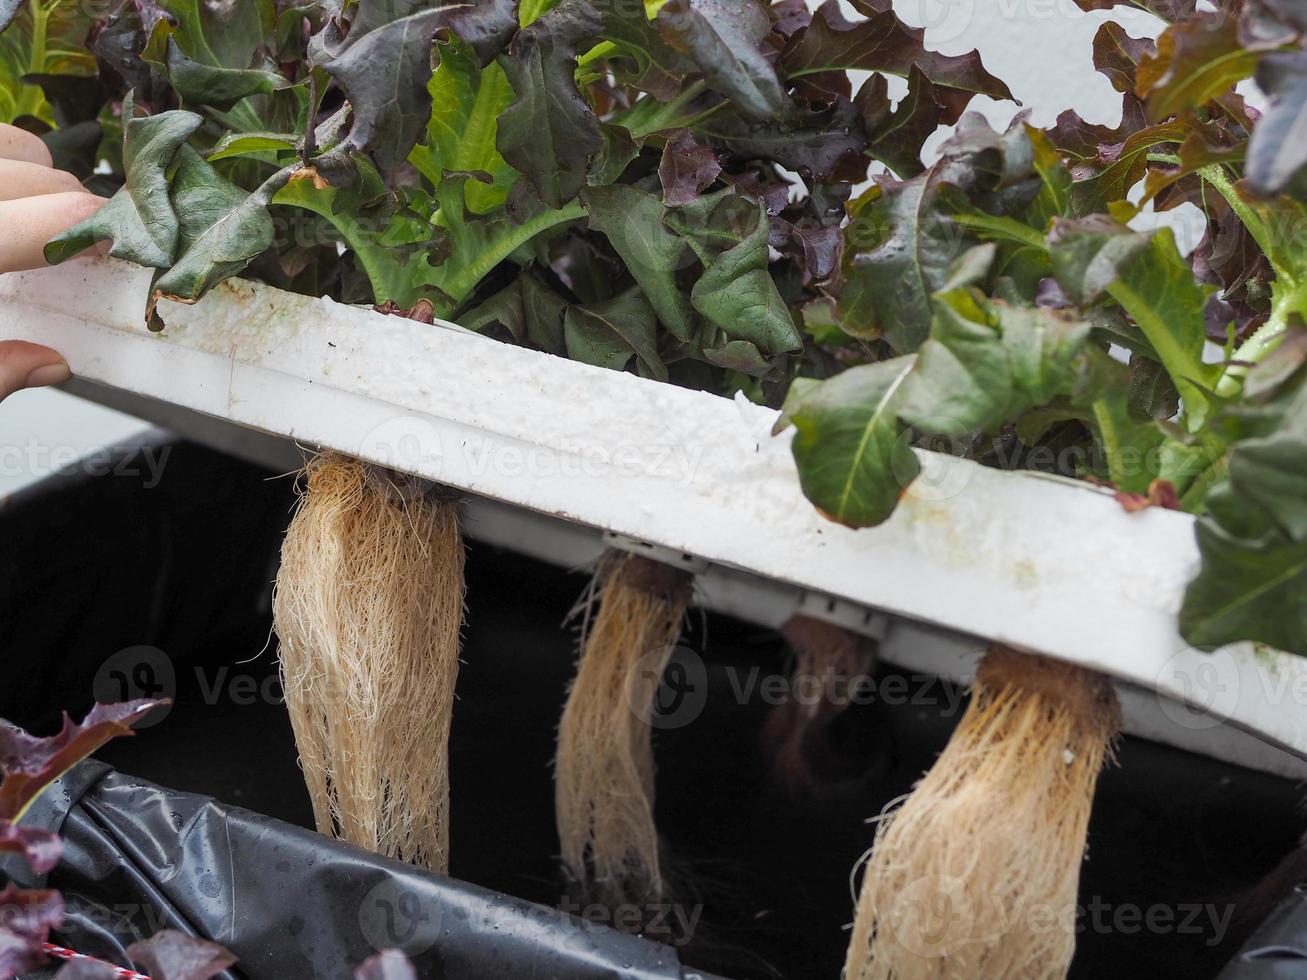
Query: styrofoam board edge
[911,646]
[1031,562]
[918,648]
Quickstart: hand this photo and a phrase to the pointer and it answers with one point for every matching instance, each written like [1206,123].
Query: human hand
[37,202]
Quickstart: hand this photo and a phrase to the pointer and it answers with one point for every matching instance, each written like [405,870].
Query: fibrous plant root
[368,607]
[830,665]
[975,875]
[604,770]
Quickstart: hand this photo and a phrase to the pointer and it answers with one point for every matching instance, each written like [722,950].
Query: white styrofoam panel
[923,650]
[1042,564]
[43,431]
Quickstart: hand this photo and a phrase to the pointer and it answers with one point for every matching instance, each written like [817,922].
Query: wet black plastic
[292,904]
[1277,950]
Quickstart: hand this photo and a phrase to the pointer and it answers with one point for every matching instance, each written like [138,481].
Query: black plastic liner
[291,903]
[1277,950]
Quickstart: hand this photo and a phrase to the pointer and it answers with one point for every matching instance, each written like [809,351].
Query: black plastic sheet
[1277,950]
[291,903]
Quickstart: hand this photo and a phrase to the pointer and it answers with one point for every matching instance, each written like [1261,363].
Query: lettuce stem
[1111,441]
[1264,341]
[532,10]
[1290,295]
[648,115]
[29,102]
[1216,176]
[466,279]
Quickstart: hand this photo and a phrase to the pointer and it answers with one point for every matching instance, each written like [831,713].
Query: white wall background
[1041,48]
[42,431]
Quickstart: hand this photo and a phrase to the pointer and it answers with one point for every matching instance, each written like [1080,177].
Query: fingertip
[22,179]
[67,208]
[54,373]
[19,144]
[28,365]
[82,204]
[31,222]
[71,182]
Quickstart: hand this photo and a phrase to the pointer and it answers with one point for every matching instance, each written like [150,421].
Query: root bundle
[829,665]
[604,771]
[368,607]
[976,874]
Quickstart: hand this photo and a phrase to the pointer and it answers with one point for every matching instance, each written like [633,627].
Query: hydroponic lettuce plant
[665,187]
[1002,280]
[610,180]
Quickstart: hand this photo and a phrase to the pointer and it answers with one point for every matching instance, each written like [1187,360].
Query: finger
[19,144]
[18,178]
[32,221]
[24,365]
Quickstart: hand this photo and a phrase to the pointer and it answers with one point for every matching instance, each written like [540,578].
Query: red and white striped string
[67,954]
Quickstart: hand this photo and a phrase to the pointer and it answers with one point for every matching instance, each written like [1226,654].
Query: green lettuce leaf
[139,219]
[1251,587]
[381,59]
[987,362]
[854,457]
[1253,582]
[890,285]
[736,293]
[633,222]
[1146,274]
[610,334]
[466,103]
[222,229]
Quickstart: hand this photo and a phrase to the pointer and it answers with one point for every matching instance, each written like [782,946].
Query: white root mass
[604,769]
[368,608]
[829,666]
[975,875]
